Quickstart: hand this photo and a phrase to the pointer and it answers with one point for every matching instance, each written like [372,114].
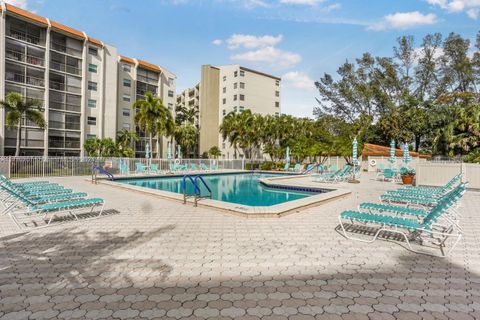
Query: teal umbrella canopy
[169,151]
[406,154]
[147,151]
[392,158]
[179,151]
[355,151]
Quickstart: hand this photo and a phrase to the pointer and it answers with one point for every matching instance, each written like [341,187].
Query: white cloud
[471,7]
[272,56]
[302,2]
[299,80]
[251,42]
[217,42]
[18,3]
[404,20]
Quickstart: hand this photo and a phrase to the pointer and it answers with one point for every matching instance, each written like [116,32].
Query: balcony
[65,68]
[147,79]
[24,36]
[68,50]
[59,105]
[22,57]
[63,87]
[21,78]
[141,92]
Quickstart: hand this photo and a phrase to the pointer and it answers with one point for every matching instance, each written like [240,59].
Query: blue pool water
[240,188]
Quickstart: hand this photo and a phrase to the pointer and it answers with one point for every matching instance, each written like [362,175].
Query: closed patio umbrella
[392,158]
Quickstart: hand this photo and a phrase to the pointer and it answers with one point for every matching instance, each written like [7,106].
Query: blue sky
[299,40]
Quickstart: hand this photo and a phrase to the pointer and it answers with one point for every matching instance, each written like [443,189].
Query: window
[170,106]
[242,85]
[277,93]
[170,81]
[224,112]
[91,136]
[92,103]
[224,101]
[126,98]
[277,104]
[235,74]
[126,112]
[224,78]
[235,97]
[241,108]
[92,121]
[126,67]
[92,68]
[127,83]
[170,93]
[224,89]
[277,83]
[242,73]
[92,86]
[235,109]
[242,97]
[277,114]
[223,145]
[235,85]
[93,51]
[126,126]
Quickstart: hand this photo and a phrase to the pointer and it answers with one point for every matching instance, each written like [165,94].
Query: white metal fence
[26,167]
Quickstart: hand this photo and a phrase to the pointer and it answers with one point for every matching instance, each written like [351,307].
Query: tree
[100,147]
[186,136]
[124,141]
[153,118]
[214,152]
[20,109]
[188,113]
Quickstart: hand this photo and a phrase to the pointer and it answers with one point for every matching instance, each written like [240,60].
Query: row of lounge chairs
[337,176]
[43,199]
[154,168]
[426,215]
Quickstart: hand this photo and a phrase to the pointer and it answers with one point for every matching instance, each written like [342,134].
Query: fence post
[9,167]
[43,168]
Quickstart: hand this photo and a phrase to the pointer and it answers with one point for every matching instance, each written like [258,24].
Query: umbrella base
[353,181]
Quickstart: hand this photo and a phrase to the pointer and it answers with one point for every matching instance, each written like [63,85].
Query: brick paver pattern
[159,259]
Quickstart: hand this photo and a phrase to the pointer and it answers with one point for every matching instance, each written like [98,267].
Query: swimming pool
[238,188]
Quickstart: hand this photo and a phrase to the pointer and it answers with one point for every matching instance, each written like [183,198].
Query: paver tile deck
[153,258]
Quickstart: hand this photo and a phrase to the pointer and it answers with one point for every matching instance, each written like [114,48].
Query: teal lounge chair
[154,168]
[214,166]
[342,175]
[204,167]
[25,206]
[386,175]
[332,168]
[124,169]
[427,229]
[296,168]
[194,167]
[139,167]
[287,165]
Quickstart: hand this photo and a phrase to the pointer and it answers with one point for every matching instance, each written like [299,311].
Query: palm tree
[214,152]
[19,109]
[153,117]
[188,114]
[186,136]
[125,138]
[229,131]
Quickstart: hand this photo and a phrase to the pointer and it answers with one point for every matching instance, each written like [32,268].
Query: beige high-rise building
[85,88]
[225,89]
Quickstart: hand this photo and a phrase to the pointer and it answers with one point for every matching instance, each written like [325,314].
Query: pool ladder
[196,185]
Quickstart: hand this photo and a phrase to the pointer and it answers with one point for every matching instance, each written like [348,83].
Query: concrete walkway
[156,258]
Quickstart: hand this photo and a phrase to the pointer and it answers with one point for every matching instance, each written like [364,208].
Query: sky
[298,40]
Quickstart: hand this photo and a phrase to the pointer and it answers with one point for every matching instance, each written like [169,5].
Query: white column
[46,97]
[101,95]
[83,104]
[2,77]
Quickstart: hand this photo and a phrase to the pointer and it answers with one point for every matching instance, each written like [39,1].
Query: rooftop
[151,257]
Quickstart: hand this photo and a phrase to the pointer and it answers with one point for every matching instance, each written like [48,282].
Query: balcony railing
[59,105]
[63,48]
[147,79]
[22,57]
[21,78]
[141,92]
[63,87]
[24,36]
[65,67]
[64,125]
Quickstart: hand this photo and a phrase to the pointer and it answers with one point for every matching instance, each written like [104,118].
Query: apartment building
[225,89]
[136,77]
[81,82]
